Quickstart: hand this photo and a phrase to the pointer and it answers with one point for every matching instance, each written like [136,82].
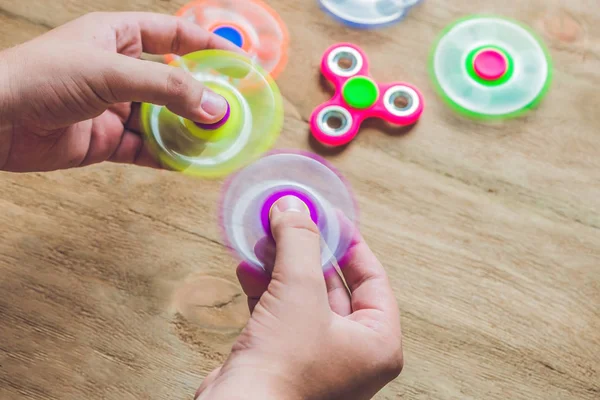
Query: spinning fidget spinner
[358,97]
[249,128]
[368,13]
[250,194]
[490,67]
[249,24]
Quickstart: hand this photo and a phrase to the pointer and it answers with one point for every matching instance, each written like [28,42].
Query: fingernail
[213,104]
[291,203]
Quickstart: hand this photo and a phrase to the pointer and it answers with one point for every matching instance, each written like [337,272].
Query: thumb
[126,79]
[297,248]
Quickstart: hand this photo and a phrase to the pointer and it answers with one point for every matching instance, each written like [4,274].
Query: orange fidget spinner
[250,24]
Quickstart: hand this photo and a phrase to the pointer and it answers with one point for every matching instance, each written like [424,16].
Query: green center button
[360,92]
[500,71]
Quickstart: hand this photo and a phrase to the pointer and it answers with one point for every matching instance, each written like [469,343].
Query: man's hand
[69,98]
[308,337]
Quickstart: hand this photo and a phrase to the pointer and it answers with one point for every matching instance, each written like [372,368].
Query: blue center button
[231,34]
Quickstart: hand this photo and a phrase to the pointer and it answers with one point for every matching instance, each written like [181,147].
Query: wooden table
[116,284]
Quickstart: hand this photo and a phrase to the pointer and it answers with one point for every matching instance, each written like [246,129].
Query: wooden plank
[490,234]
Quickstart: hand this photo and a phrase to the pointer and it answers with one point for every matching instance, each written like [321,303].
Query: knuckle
[176,43]
[178,83]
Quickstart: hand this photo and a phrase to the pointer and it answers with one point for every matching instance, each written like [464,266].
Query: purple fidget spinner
[251,193]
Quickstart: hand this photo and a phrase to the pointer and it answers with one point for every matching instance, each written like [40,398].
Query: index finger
[366,278]
[165,34]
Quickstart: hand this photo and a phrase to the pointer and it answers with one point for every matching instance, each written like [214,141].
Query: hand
[65,97]
[308,337]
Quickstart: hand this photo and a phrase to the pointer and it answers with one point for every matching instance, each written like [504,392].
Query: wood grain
[116,284]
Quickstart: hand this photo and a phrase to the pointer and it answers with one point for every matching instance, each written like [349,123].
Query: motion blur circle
[250,194]
[250,127]
[250,24]
[368,13]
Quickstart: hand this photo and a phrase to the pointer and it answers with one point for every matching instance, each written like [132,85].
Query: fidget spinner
[250,194]
[368,13]
[249,24]
[490,67]
[358,97]
[252,123]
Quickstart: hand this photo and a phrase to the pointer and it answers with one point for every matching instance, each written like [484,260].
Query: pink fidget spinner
[358,97]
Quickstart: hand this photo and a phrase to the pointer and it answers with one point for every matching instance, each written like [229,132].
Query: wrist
[248,385]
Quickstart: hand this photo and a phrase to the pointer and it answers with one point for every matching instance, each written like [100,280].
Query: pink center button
[490,65]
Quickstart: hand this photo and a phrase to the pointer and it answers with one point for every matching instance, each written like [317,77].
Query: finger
[162,34]
[207,382]
[134,123]
[132,150]
[265,252]
[252,303]
[108,141]
[169,34]
[339,298]
[367,280]
[298,253]
[254,280]
[120,79]
[123,111]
